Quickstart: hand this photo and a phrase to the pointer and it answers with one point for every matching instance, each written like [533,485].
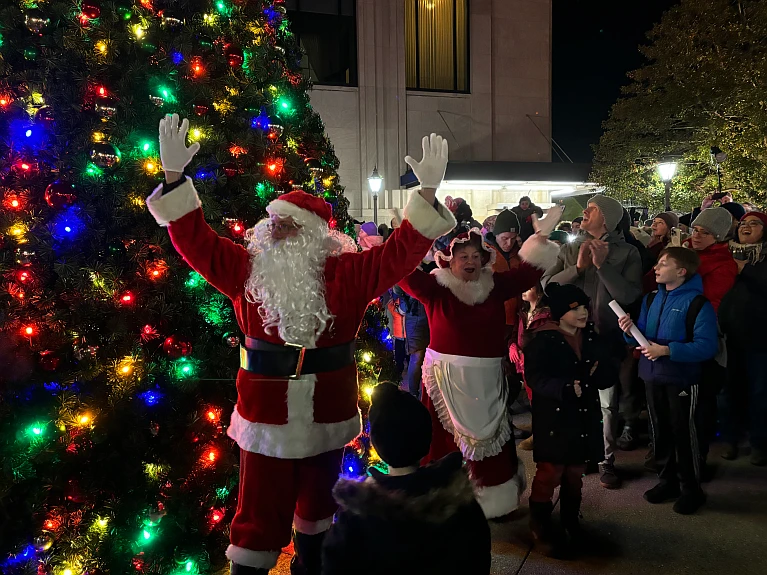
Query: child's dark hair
[685,258]
[542,299]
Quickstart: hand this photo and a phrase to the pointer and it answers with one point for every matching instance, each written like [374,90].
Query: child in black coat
[417,520]
[565,367]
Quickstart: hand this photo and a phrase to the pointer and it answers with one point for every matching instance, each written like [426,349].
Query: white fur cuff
[312,527]
[426,220]
[539,255]
[173,205]
[248,558]
[500,500]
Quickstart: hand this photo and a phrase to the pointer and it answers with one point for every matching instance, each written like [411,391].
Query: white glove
[174,154]
[431,170]
[547,223]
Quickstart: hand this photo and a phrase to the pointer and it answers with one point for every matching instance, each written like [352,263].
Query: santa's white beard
[287,280]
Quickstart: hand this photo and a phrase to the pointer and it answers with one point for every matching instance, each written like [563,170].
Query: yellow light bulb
[139,31]
[102,523]
[17,230]
[101,47]
[84,419]
[367,357]
[196,133]
[125,370]
[98,136]
[66,572]
[368,390]
[150,166]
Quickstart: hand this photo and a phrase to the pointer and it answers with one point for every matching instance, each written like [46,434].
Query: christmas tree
[119,361]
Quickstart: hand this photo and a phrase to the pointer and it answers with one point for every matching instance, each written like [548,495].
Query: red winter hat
[759,215]
[302,207]
[444,256]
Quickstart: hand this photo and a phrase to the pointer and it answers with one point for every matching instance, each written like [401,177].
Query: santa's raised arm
[299,298]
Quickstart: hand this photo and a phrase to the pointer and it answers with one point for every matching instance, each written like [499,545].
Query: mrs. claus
[462,372]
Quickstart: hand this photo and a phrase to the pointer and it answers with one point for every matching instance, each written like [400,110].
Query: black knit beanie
[563,298]
[400,426]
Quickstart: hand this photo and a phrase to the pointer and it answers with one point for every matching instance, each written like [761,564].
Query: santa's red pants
[549,476]
[277,494]
[497,471]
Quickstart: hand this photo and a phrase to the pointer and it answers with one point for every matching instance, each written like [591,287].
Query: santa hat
[443,256]
[305,209]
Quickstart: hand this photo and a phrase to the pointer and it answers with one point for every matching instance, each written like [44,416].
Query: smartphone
[719,196]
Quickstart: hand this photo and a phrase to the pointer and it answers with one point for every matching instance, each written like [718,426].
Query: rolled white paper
[616,307]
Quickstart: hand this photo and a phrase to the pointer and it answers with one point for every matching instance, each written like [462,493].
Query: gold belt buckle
[300,364]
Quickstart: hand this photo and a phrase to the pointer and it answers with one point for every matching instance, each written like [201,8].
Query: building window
[327,32]
[437,45]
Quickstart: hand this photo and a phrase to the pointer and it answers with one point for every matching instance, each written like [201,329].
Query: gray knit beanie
[717,221]
[611,209]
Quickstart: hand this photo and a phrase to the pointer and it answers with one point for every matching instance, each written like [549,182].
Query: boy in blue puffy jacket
[680,325]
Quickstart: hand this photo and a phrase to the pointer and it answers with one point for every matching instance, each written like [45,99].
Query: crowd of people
[691,289]
[550,310]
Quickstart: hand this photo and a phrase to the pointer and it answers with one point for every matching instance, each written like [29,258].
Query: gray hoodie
[619,278]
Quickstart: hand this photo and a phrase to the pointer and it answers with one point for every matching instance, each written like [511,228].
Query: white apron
[469,396]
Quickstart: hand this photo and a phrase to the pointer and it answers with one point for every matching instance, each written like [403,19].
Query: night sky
[595,44]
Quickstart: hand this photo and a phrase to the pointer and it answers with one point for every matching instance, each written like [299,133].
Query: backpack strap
[692,314]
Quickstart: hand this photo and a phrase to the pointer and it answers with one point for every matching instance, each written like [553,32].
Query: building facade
[478,72]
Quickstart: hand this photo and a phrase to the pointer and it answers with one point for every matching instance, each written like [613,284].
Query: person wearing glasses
[299,296]
[742,313]
[718,270]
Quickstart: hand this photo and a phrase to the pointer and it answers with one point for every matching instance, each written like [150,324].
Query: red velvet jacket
[315,413]
[469,319]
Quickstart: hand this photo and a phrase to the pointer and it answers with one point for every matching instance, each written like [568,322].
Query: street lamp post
[718,157]
[666,171]
[375,182]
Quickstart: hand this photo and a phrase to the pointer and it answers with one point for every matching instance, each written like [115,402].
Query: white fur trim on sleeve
[302,217]
[539,255]
[312,527]
[248,558]
[173,205]
[426,220]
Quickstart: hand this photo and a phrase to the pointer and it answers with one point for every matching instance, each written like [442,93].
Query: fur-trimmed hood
[433,494]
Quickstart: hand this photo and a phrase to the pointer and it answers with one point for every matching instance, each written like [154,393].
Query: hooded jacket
[422,523]
[665,323]
[718,271]
[619,278]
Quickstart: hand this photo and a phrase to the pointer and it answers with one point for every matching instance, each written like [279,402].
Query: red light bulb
[28,330]
[102,91]
[127,298]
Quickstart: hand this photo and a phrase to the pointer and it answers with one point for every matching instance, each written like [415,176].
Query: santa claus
[463,380]
[299,298]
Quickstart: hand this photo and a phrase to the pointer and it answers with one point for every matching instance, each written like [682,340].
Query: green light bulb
[189,566]
[147,535]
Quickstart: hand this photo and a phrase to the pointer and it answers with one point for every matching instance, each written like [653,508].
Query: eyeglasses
[701,232]
[282,227]
[751,224]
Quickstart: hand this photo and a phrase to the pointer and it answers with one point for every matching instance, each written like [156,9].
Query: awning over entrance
[489,187]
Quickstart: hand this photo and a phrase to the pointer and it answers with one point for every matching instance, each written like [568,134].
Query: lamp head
[667,170]
[375,182]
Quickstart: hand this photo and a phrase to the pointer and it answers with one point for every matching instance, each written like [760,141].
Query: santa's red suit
[291,431]
[463,384]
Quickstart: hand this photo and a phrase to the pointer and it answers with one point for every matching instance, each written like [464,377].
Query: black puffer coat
[567,428]
[745,303]
[423,523]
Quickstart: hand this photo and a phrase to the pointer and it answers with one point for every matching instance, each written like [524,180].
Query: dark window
[437,45]
[327,31]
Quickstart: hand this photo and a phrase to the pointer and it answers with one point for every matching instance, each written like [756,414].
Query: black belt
[272,360]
